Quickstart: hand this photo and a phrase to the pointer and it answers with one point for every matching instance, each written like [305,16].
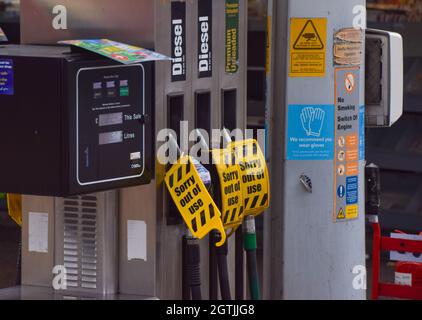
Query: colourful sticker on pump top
[231,187]
[117,51]
[191,197]
[255,178]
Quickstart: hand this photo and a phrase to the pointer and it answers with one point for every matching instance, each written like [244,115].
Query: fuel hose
[250,244]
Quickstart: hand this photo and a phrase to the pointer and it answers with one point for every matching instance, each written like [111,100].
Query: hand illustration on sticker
[312,121]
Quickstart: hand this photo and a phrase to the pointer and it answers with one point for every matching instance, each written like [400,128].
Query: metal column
[309,255]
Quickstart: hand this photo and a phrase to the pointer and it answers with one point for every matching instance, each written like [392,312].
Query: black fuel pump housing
[73,122]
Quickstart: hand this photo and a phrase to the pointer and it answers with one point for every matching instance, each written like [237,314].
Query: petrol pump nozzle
[227,139]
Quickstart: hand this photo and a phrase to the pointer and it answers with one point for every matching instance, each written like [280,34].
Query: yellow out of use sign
[193,200]
[255,178]
[308,47]
[231,187]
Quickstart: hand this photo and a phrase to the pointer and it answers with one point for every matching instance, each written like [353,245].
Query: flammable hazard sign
[308,47]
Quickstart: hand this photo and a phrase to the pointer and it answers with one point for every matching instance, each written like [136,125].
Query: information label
[362,133]
[310,132]
[348,144]
[6,77]
[308,39]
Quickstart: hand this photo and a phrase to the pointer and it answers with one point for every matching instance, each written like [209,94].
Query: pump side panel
[320,254]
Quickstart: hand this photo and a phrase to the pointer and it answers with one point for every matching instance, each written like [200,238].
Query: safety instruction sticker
[310,132]
[308,47]
[348,47]
[6,77]
[348,113]
[362,133]
[194,202]
[231,187]
[255,178]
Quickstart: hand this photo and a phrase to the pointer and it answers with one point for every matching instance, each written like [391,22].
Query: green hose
[251,245]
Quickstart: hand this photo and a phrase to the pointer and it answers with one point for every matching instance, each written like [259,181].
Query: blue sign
[341,191]
[362,133]
[352,186]
[6,77]
[310,132]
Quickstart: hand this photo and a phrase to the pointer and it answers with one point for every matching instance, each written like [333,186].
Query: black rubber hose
[253,275]
[239,266]
[196,293]
[213,268]
[185,276]
[223,272]
[193,270]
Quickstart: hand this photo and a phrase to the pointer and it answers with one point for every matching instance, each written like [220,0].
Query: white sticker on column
[136,240]
[403,279]
[406,256]
[38,232]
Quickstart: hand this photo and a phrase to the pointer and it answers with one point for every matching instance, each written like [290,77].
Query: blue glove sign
[313,121]
[310,132]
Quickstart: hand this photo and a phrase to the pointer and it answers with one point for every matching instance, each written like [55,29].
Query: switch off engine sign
[110,124]
[346,168]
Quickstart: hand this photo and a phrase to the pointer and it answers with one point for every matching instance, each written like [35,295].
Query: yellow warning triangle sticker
[341,215]
[309,38]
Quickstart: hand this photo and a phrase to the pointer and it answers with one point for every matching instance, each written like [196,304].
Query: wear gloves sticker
[312,121]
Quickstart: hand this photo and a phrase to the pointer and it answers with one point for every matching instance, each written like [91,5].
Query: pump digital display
[110,119]
[110,137]
[109,129]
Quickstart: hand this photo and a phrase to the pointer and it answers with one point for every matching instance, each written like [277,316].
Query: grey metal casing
[86,242]
[92,267]
[147,23]
[37,268]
